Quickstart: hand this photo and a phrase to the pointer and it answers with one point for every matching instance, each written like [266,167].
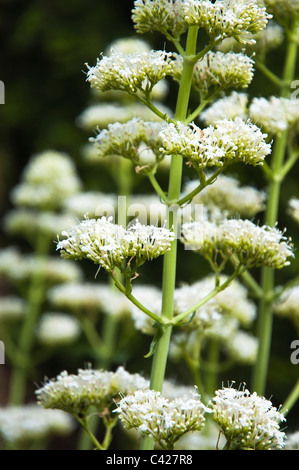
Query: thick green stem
[35,298]
[170,258]
[265,319]
[291,399]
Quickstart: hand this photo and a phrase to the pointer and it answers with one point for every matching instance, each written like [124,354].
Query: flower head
[56,329]
[229,141]
[136,140]
[164,420]
[108,244]
[275,114]
[253,245]
[165,16]
[49,178]
[136,72]
[248,421]
[227,18]
[229,107]
[75,393]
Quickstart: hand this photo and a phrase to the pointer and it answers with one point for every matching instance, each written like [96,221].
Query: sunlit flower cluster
[229,107]
[229,141]
[136,72]
[165,16]
[248,421]
[164,420]
[108,244]
[75,393]
[30,423]
[136,140]
[56,329]
[275,114]
[48,179]
[228,18]
[226,197]
[251,244]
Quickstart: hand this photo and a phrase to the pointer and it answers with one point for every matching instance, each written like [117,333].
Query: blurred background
[45,45]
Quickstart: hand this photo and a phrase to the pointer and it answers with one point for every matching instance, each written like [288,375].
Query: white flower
[165,16]
[294,208]
[227,18]
[136,72]
[48,179]
[248,421]
[242,347]
[130,140]
[288,304]
[75,393]
[229,107]
[20,268]
[108,244]
[227,195]
[275,114]
[11,308]
[164,420]
[253,245]
[29,423]
[55,329]
[91,203]
[92,298]
[229,141]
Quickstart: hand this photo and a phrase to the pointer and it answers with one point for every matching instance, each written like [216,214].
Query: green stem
[265,318]
[83,423]
[170,258]
[291,399]
[35,298]
[157,188]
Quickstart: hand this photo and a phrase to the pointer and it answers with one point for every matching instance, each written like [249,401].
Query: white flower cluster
[11,308]
[109,244]
[48,179]
[165,16]
[226,197]
[29,423]
[164,420]
[266,40]
[219,70]
[29,222]
[75,393]
[227,18]
[248,421]
[229,141]
[288,304]
[231,302]
[89,298]
[253,245]
[136,140]
[20,268]
[229,107]
[136,72]
[294,209]
[57,329]
[275,114]
[151,298]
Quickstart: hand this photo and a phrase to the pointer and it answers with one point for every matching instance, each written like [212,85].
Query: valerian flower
[248,421]
[293,209]
[23,425]
[165,16]
[108,244]
[134,140]
[229,107]
[76,393]
[251,244]
[56,329]
[229,141]
[287,305]
[48,179]
[217,69]
[162,419]
[227,18]
[136,72]
[275,114]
